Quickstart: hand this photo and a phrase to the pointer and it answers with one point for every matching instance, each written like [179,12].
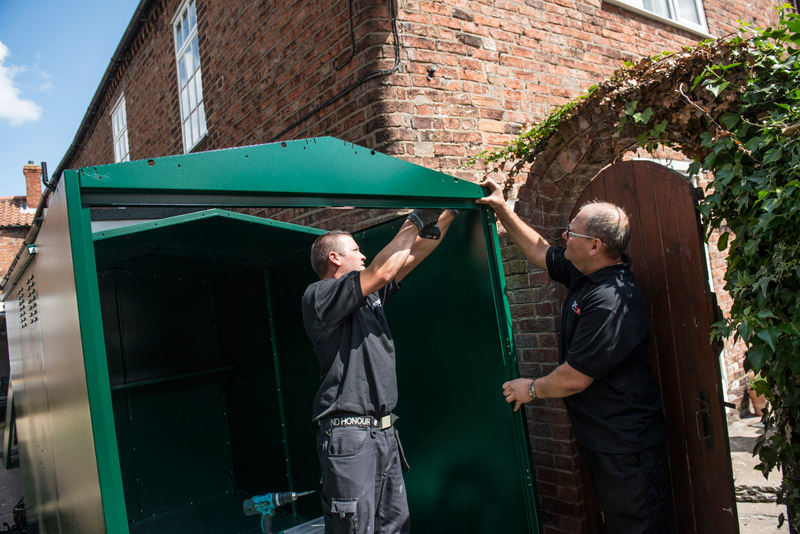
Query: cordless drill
[266,505]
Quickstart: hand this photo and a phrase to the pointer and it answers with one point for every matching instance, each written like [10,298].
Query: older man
[358,448]
[603,373]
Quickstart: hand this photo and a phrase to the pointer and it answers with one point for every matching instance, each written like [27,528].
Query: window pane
[192,95]
[181,73]
[189,59]
[178,37]
[688,11]
[202,111]
[660,7]
[192,16]
[199,83]
[196,51]
[187,130]
[185,109]
[185,25]
[195,127]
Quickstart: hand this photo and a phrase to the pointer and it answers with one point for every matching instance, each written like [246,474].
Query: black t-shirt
[354,347]
[604,334]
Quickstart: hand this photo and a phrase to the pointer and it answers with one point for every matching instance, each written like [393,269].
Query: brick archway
[589,140]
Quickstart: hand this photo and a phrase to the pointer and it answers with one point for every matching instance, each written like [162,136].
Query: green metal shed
[160,370]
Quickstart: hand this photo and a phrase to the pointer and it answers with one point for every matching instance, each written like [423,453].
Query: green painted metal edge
[319,167]
[95,361]
[510,362]
[205,214]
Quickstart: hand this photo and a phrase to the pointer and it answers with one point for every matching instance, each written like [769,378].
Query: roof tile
[13,212]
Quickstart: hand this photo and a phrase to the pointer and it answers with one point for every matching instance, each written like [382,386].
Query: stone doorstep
[756,493]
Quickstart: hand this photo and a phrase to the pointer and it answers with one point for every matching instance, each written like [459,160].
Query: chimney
[33,185]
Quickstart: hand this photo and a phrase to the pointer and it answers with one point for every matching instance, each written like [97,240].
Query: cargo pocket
[341,516]
[347,441]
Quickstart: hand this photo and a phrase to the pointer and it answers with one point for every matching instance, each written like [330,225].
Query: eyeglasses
[570,232]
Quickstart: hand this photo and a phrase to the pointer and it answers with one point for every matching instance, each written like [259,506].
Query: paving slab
[755,495]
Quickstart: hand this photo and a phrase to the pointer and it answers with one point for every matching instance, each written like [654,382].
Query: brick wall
[10,242]
[499,65]
[265,65]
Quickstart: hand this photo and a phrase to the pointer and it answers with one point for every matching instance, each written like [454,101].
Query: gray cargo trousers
[362,481]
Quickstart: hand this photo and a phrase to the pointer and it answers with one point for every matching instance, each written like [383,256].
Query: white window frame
[674,19]
[190,82]
[119,130]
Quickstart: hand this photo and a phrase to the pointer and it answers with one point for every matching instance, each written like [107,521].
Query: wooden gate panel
[652,274]
[669,263]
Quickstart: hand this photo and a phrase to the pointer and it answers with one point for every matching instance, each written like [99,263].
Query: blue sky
[53,54]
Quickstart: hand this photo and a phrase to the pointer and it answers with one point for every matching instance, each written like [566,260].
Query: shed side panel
[55,432]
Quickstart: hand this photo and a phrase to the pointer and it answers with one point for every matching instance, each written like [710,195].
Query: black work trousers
[362,481]
[631,488]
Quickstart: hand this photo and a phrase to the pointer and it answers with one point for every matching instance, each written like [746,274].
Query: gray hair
[323,245]
[609,223]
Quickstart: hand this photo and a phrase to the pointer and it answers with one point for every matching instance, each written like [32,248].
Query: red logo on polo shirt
[576,309]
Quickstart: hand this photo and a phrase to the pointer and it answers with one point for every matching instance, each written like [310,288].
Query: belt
[367,421]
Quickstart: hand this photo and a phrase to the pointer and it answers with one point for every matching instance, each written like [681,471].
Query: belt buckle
[385,422]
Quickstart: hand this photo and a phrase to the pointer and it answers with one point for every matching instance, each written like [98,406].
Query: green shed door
[467,449]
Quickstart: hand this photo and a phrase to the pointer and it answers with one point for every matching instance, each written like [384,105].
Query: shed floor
[213,515]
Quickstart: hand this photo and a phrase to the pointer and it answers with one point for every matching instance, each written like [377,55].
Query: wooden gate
[670,265]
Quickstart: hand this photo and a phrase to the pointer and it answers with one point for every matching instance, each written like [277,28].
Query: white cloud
[13,107]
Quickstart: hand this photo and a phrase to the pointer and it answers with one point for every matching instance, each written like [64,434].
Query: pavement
[755,495]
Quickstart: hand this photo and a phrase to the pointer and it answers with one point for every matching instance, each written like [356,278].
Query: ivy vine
[755,157]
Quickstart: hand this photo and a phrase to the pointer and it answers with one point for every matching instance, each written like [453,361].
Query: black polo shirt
[604,334]
[354,347]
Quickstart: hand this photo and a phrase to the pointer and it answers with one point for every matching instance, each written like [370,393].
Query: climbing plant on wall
[755,157]
[732,105]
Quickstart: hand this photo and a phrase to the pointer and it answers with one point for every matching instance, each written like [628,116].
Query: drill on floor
[266,505]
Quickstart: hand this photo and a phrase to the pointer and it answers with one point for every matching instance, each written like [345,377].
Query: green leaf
[758,356]
[769,335]
[745,330]
[753,144]
[751,246]
[630,107]
[773,155]
[723,241]
[660,128]
[642,139]
[730,120]
[717,88]
[699,78]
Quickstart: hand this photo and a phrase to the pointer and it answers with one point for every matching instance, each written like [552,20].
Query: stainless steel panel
[60,478]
